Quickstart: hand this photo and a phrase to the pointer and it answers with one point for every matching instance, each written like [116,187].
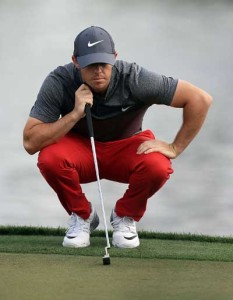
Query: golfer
[119,94]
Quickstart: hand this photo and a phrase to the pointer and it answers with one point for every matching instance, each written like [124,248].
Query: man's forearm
[44,134]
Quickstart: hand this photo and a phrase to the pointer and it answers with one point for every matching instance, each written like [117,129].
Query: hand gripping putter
[106,258]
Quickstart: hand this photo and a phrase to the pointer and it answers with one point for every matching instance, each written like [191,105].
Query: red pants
[69,163]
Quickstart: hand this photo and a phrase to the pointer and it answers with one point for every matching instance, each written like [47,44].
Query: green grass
[45,277]
[30,230]
[153,245]
[35,266]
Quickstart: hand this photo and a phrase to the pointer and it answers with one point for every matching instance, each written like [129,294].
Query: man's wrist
[175,149]
[75,116]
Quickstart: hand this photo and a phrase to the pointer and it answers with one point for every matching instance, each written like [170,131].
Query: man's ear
[115,54]
[75,62]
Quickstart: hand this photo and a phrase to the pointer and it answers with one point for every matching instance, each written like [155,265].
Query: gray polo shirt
[132,90]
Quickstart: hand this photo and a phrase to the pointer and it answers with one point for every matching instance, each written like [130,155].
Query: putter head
[106,260]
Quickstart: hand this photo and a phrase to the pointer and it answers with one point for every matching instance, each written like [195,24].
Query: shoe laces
[124,224]
[77,224]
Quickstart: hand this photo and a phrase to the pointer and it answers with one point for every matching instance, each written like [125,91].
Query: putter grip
[89,120]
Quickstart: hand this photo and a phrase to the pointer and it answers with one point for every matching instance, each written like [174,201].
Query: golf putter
[106,258]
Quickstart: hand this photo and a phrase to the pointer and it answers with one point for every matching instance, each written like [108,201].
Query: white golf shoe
[78,233]
[124,232]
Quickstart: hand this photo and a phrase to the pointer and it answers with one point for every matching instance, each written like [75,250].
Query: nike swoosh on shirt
[93,44]
[126,108]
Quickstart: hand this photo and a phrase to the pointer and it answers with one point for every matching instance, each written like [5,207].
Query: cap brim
[94,58]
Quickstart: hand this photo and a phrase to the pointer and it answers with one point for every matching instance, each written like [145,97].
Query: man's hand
[157,146]
[83,95]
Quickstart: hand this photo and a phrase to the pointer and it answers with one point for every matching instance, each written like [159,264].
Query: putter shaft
[100,192]
[91,134]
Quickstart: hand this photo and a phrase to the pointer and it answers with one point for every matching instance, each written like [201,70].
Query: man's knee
[157,167]
[50,160]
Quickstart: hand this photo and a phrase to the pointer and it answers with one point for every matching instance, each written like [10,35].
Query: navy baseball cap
[94,45]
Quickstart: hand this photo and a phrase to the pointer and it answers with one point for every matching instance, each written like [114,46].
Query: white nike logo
[126,108]
[93,44]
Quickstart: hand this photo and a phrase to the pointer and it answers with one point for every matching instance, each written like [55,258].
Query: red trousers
[69,162]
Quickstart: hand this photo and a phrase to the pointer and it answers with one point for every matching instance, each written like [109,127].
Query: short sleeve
[151,88]
[47,107]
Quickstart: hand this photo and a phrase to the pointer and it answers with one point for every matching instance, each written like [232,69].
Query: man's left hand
[157,146]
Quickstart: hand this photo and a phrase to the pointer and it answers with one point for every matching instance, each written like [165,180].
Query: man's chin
[99,89]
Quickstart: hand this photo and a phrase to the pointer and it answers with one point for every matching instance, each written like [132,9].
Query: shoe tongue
[128,221]
[72,219]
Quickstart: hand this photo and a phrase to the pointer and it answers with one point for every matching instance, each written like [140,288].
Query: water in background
[191,40]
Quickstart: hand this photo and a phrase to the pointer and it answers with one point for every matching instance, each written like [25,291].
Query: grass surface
[30,230]
[153,245]
[37,277]
[34,265]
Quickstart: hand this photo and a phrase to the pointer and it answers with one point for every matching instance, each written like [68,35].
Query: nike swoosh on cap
[93,44]
[130,238]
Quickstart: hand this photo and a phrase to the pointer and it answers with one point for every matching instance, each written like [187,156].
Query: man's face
[97,76]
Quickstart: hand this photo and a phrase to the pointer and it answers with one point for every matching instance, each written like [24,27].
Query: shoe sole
[68,244]
[117,245]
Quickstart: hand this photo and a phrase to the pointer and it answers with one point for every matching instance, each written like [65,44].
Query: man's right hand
[83,96]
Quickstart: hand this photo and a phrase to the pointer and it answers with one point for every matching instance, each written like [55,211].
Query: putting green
[52,276]
[34,265]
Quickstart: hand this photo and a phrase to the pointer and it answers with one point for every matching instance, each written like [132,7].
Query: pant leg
[145,173]
[65,165]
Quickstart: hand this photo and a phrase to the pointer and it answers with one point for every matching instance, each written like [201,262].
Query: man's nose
[98,67]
